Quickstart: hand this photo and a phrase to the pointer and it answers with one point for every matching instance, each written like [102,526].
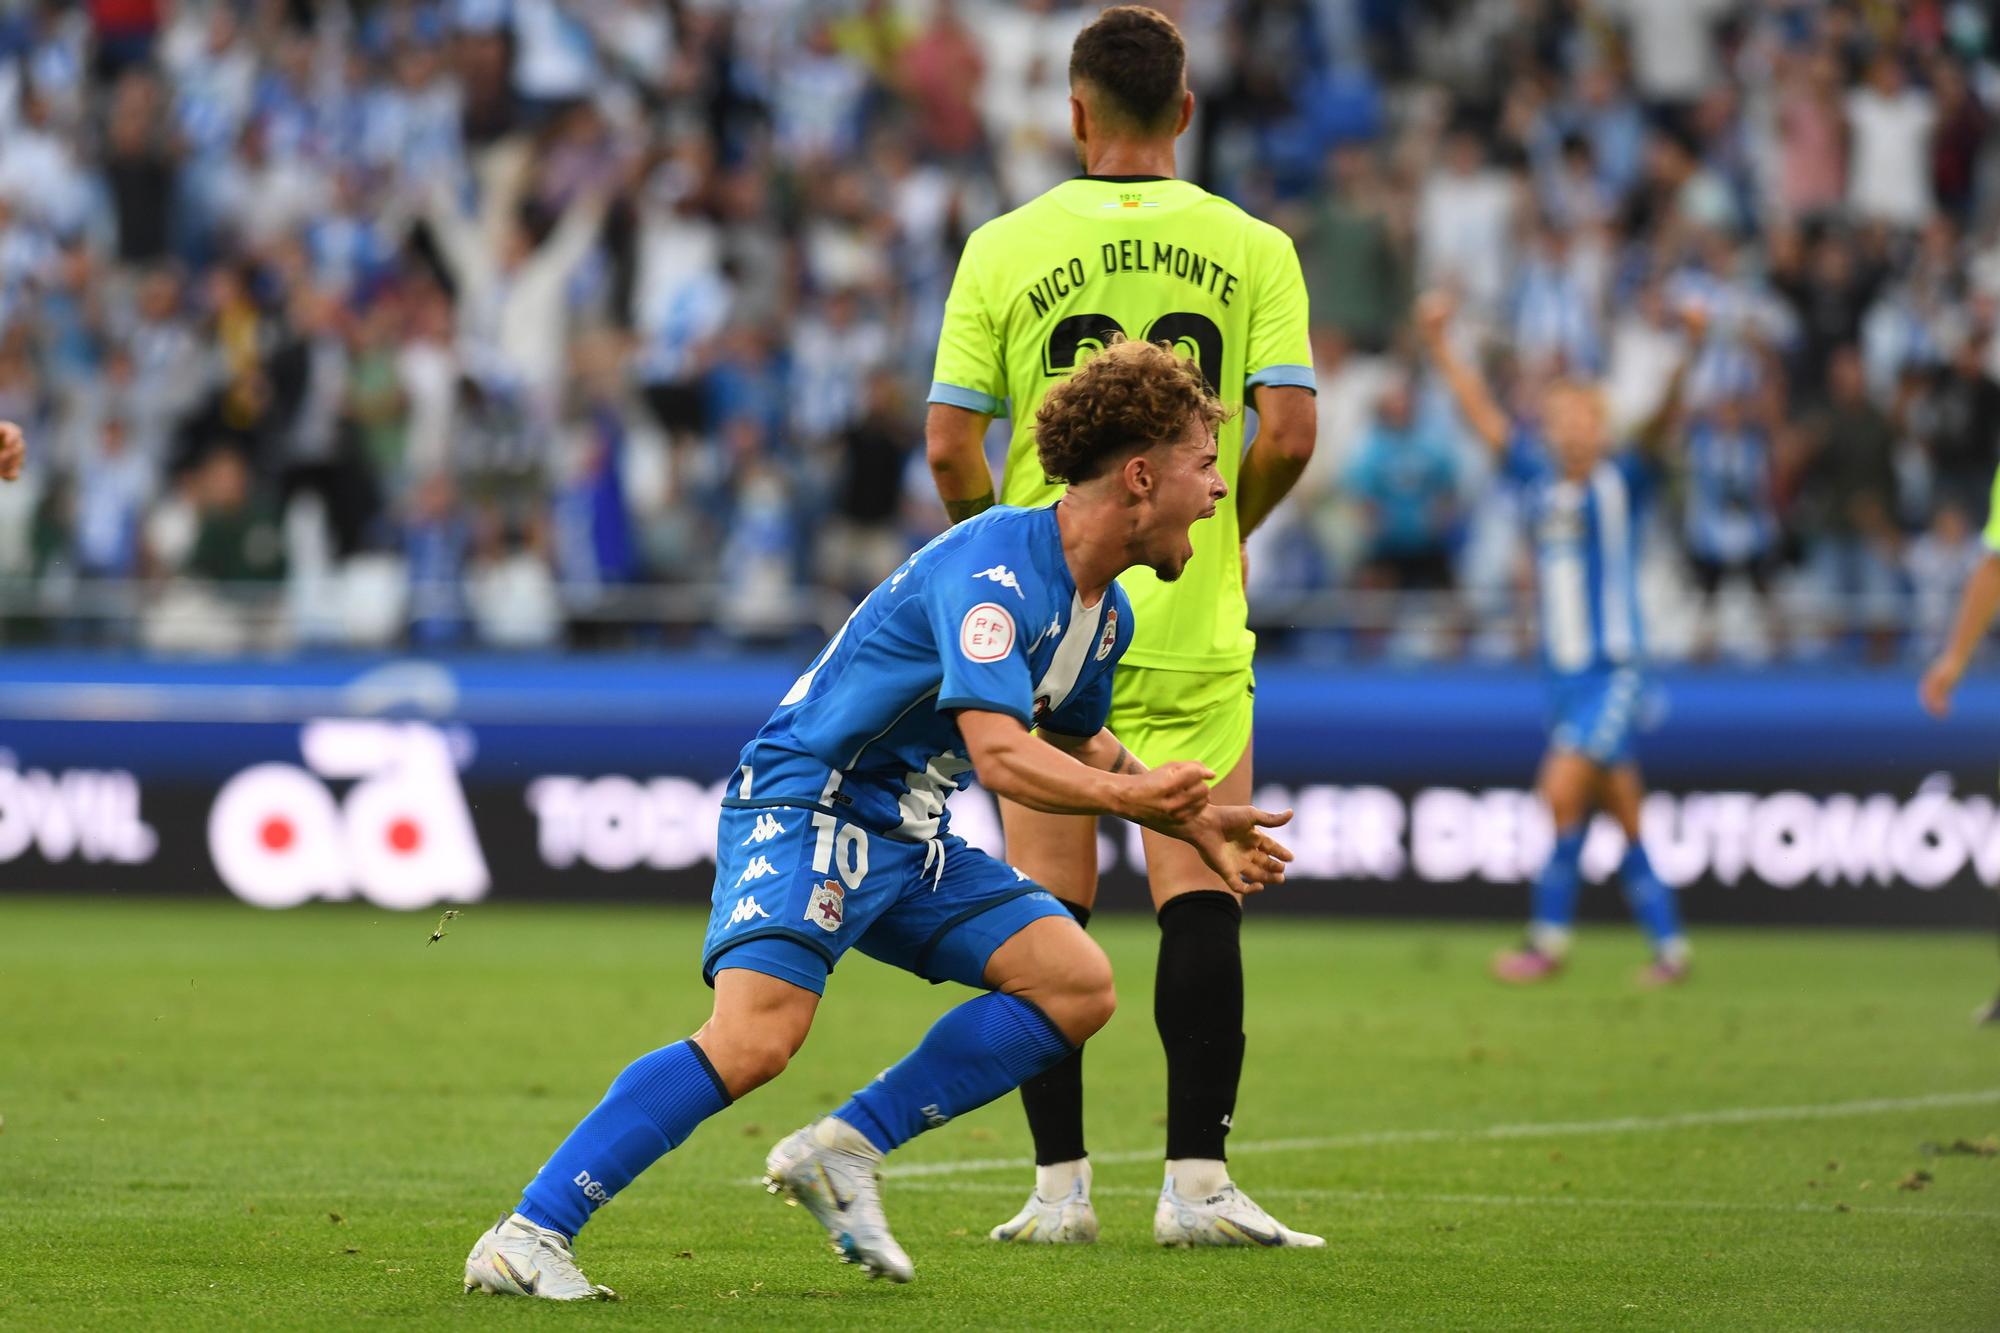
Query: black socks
[1053,1098]
[1198,1008]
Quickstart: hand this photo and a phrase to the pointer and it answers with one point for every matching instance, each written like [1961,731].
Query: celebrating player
[1128,249]
[835,835]
[1582,507]
[1976,608]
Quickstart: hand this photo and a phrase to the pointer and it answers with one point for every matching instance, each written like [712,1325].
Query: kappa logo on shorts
[1109,639]
[747,908]
[827,907]
[767,828]
[759,867]
[987,633]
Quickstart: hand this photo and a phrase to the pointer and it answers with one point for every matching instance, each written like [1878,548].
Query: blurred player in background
[835,834]
[1126,248]
[1583,506]
[1976,608]
[13,451]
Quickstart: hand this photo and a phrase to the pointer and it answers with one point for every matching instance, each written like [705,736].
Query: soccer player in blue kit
[834,834]
[1582,503]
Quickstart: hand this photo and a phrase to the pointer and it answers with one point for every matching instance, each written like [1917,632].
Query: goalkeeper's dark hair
[1134,57]
[1126,399]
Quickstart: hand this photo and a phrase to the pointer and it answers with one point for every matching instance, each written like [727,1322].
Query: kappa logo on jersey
[827,906]
[1003,576]
[1109,639]
[987,633]
[759,868]
[746,908]
[767,828]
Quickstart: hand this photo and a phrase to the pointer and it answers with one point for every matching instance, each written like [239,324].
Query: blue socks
[1653,904]
[1553,906]
[987,1046]
[650,1109]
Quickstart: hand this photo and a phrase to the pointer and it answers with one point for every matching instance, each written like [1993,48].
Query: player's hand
[13,451]
[1231,839]
[1166,797]
[1433,316]
[1938,685]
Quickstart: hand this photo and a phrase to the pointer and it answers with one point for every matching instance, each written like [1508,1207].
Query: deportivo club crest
[824,910]
[1109,639]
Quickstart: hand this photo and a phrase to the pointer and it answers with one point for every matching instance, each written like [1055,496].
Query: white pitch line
[1739,1115]
[1513,1201]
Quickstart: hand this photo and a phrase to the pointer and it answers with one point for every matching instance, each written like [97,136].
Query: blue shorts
[789,876]
[1595,714]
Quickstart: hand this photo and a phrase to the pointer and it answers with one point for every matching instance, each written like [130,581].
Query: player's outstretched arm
[1287,429]
[1976,608]
[13,451]
[1468,388]
[1098,776]
[1659,429]
[954,445]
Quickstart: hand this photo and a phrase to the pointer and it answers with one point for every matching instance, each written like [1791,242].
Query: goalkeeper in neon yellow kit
[1976,608]
[1127,248]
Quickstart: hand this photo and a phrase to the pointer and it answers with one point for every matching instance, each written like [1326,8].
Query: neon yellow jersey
[1041,287]
[1991,536]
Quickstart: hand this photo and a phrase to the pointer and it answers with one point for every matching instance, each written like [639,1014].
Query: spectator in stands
[1466,220]
[1890,124]
[1812,135]
[1405,474]
[1847,510]
[863,543]
[1938,563]
[116,484]
[1963,427]
[1357,250]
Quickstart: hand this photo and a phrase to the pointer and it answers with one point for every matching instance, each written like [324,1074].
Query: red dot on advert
[405,836]
[275,833]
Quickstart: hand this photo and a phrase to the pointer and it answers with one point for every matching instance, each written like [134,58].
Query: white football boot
[829,1166]
[1065,1219]
[1226,1217]
[518,1258]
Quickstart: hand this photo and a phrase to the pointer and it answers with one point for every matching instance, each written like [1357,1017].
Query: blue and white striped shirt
[1586,535]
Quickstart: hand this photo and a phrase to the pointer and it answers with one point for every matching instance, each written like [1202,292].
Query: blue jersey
[1731,517]
[1586,537]
[985,617]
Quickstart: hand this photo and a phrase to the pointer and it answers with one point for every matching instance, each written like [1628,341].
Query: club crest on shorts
[825,908]
[1109,638]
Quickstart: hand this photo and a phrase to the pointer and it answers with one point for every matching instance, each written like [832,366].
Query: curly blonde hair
[1124,400]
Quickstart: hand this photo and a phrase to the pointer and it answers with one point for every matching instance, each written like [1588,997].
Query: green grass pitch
[220,1117]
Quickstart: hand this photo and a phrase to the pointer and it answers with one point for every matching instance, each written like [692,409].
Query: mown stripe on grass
[1631,1124]
[1514,1201]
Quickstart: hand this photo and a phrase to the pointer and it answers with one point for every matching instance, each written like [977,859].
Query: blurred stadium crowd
[524,323]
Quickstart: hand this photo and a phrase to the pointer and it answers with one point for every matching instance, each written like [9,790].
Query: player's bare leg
[1058,852]
[1651,899]
[1198,1009]
[1569,784]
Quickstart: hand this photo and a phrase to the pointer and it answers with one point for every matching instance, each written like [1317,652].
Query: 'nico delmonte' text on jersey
[1041,287]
